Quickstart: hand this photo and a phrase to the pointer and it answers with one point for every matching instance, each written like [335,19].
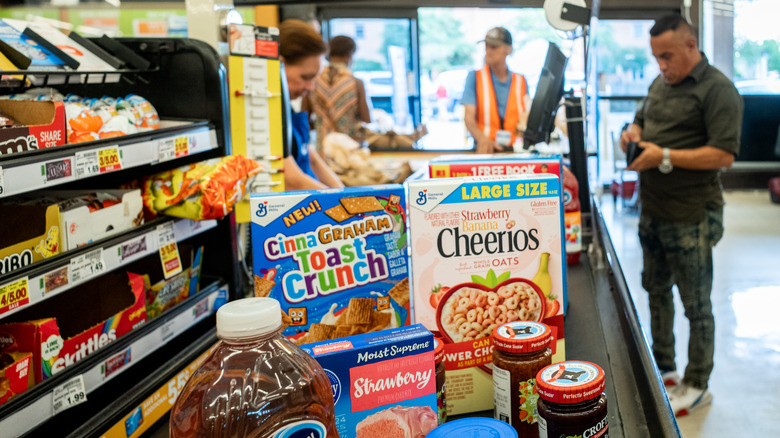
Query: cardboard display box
[336,260]
[15,375]
[31,233]
[44,126]
[43,227]
[162,294]
[484,251]
[83,223]
[383,383]
[63,330]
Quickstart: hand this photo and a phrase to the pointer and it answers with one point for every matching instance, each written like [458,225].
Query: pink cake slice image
[398,422]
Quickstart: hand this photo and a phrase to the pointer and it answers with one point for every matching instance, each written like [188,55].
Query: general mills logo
[422,197]
[262,210]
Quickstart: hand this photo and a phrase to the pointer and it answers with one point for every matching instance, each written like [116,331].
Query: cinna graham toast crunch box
[484,251]
[335,259]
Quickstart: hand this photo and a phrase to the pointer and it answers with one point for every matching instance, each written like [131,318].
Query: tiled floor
[746,300]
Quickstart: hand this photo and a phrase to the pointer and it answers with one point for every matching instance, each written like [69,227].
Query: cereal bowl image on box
[335,259]
[484,251]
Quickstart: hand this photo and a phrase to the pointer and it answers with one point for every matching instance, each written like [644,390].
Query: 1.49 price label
[13,295]
[109,159]
[87,265]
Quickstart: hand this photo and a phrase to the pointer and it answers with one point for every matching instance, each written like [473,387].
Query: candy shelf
[97,259]
[27,171]
[35,407]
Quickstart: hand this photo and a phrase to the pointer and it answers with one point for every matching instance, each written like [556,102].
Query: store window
[625,68]
[757,46]
[450,48]
[383,61]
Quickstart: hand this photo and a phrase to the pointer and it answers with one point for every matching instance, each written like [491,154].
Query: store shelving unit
[188,87]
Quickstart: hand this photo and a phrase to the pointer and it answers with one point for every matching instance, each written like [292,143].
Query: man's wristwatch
[666,162]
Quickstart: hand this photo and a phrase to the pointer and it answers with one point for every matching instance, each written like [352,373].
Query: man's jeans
[681,254]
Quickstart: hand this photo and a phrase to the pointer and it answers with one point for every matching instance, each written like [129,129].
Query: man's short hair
[670,22]
[342,46]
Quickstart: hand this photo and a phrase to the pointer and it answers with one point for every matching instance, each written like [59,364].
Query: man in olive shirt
[688,128]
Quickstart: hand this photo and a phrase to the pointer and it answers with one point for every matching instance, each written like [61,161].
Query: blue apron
[300,131]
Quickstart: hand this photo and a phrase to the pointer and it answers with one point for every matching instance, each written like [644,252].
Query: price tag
[182,146]
[169,256]
[13,295]
[165,234]
[69,394]
[86,164]
[87,266]
[2,181]
[166,149]
[109,159]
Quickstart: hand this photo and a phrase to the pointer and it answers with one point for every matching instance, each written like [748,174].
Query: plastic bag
[199,191]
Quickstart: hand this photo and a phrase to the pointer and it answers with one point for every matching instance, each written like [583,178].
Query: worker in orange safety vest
[496,100]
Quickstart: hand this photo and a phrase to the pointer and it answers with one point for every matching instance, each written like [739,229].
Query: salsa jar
[441,397]
[572,400]
[520,350]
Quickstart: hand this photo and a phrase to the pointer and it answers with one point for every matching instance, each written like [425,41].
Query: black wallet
[632,151]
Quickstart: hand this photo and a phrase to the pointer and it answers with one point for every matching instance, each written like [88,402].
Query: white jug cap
[248,317]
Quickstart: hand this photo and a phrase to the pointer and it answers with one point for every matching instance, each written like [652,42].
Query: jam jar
[441,398]
[572,400]
[520,350]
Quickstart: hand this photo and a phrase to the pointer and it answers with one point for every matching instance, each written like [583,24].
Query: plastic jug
[256,383]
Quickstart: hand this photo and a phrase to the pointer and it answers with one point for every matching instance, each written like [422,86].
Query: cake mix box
[384,383]
[336,259]
[448,166]
[484,251]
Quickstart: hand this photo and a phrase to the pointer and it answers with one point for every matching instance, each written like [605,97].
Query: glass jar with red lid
[572,400]
[441,398]
[520,350]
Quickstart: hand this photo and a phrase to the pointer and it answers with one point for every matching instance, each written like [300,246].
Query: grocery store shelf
[37,405]
[29,171]
[46,279]
[134,416]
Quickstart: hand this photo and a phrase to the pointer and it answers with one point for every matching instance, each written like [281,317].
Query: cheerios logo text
[332,258]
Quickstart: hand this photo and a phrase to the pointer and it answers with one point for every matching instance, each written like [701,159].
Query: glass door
[385,60]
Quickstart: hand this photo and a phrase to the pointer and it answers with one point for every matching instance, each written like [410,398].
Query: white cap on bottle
[249,317]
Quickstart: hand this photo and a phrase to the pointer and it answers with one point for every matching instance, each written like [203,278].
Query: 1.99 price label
[109,159]
[69,394]
[14,295]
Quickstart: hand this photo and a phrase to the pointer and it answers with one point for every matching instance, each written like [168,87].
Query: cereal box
[335,259]
[448,166]
[484,251]
[384,383]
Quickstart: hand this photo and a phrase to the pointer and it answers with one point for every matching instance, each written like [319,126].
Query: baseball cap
[498,35]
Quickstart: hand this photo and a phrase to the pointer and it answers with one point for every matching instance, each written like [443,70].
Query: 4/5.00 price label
[109,159]
[14,294]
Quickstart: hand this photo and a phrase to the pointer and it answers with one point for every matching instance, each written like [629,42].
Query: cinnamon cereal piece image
[263,287]
[380,321]
[400,292]
[321,332]
[286,320]
[360,310]
[342,330]
[338,213]
[362,204]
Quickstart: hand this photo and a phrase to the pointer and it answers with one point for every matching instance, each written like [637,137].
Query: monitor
[547,98]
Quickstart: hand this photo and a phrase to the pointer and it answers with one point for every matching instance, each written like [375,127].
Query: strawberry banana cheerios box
[336,259]
[384,383]
[484,251]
